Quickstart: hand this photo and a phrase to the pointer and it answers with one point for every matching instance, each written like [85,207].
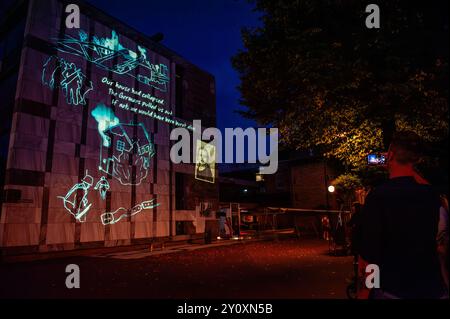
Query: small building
[301,182]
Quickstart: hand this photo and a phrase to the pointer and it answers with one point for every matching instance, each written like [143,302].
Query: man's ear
[389,154]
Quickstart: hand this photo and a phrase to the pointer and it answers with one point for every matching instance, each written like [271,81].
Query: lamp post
[328,188]
[326,195]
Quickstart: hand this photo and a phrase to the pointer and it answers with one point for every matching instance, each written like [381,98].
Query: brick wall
[309,185]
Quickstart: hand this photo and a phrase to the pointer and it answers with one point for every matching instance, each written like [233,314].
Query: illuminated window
[259,178]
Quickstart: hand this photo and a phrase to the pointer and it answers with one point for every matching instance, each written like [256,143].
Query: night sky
[205,32]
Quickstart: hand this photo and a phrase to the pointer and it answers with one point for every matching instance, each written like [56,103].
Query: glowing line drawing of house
[127,152]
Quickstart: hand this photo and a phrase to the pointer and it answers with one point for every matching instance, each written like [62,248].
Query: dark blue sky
[206,32]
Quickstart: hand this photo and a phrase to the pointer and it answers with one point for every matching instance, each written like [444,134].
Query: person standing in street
[399,225]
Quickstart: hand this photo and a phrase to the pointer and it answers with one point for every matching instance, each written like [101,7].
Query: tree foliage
[330,84]
[347,182]
[346,185]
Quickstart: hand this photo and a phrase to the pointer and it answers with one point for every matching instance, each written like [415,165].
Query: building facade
[86,117]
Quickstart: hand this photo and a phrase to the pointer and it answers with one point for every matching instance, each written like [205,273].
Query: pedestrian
[325,228]
[442,239]
[354,224]
[399,225]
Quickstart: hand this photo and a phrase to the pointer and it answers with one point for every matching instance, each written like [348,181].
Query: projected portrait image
[205,162]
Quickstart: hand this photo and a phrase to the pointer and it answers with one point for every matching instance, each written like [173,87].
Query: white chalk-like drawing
[102,187]
[131,141]
[76,206]
[58,72]
[110,217]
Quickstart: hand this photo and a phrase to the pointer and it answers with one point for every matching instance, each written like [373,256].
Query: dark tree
[328,83]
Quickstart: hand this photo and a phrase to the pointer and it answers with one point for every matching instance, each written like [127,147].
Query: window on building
[179,74]
[259,177]
[179,228]
[184,227]
[281,180]
[183,192]
[180,193]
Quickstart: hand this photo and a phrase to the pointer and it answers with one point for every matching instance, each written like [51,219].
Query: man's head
[404,153]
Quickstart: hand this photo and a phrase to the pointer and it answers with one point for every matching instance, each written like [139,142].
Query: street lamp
[331,189]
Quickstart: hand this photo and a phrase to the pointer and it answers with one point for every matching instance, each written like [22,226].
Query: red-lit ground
[287,268]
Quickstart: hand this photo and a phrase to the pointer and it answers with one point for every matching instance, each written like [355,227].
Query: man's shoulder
[396,186]
[404,183]
[375,198]
[378,191]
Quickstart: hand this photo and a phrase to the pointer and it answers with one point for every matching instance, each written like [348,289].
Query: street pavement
[285,268]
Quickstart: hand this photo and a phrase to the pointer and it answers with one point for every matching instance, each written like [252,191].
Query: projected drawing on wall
[109,54]
[57,72]
[102,187]
[120,213]
[76,206]
[205,162]
[128,151]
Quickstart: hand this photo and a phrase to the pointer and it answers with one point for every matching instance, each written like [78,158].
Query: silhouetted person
[355,228]
[442,238]
[399,226]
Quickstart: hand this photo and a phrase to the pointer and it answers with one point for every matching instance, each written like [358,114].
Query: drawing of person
[78,208]
[74,85]
[102,186]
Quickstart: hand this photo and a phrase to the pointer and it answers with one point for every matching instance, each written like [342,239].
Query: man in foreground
[399,226]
